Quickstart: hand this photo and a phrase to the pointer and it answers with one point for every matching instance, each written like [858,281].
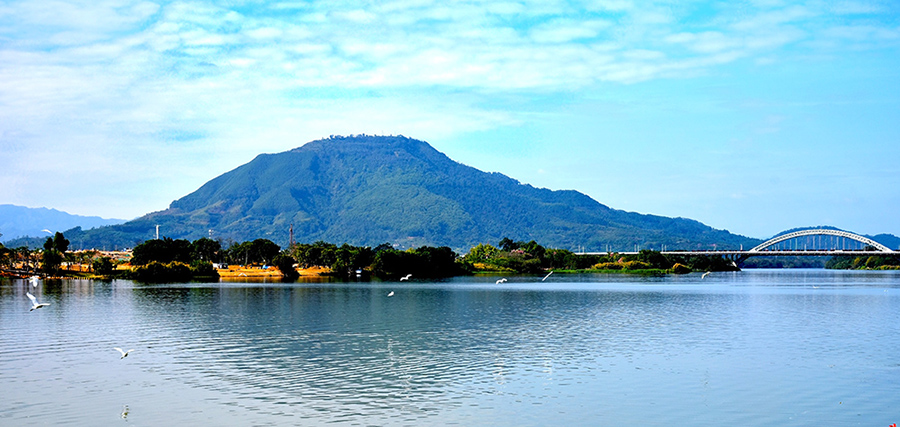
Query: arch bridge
[808,242]
[773,243]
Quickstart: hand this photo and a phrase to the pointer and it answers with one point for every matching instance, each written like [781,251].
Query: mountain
[21,221]
[368,190]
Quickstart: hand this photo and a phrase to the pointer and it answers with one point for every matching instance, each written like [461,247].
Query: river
[757,347]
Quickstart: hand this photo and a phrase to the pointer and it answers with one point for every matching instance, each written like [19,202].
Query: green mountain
[368,190]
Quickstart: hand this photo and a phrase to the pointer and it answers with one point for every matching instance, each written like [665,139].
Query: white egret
[34,281]
[705,274]
[405,277]
[391,293]
[499,281]
[548,275]
[124,353]
[34,303]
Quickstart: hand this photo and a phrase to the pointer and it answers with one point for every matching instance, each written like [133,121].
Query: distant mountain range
[368,190]
[21,221]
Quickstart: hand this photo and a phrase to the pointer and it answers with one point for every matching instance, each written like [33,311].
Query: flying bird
[34,303]
[405,277]
[391,293]
[124,353]
[34,281]
[704,275]
[499,281]
[548,275]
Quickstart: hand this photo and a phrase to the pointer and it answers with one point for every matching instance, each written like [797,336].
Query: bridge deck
[761,253]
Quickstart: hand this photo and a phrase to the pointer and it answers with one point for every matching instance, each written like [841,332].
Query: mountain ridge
[368,190]
[21,221]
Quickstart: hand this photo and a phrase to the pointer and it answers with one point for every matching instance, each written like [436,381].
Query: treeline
[182,260]
[383,261]
[875,262]
[531,257]
[50,259]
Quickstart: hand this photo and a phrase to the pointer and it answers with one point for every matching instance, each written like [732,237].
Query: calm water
[752,348]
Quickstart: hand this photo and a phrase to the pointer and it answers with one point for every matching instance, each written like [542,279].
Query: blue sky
[753,116]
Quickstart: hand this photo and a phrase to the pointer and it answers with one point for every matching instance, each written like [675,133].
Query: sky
[749,116]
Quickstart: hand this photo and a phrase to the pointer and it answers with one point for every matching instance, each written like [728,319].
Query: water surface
[759,347]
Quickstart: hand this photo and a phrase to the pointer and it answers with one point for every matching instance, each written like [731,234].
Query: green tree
[60,243]
[285,264]
[506,244]
[205,249]
[532,248]
[163,251]
[482,253]
[264,250]
[6,258]
[259,251]
[50,261]
[103,266]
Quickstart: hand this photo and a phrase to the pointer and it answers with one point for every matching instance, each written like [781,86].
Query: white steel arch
[820,231]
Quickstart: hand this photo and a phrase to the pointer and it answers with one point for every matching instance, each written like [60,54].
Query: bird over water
[123,352]
[34,302]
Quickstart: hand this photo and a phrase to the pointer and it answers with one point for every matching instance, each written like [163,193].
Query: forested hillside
[368,190]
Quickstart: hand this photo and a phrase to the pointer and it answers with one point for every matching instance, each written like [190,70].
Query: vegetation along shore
[204,259]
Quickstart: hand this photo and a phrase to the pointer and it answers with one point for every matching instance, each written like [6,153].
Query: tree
[6,257]
[506,245]
[481,253]
[285,264]
[425,261]
[50,261]
[60,243]
[103,266]
[205,249]
[54,252]
[532,248]
[264,250]
[163,251]
[260,251]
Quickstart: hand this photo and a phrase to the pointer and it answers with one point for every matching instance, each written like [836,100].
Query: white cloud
[567,30]
[610,5]
[106,82]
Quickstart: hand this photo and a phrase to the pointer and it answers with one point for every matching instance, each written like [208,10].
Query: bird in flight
[405,277]
[124,353]
[548,275]
[391,293]
[499,281]
[34,281]
[704,275]
[34,303]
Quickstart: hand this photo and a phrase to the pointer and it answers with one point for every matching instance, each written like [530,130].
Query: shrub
[155,271]
[680,269]
[635,265]
[607,266]
[203,269]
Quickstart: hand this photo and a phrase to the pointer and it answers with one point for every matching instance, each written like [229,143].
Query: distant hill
[21,221]
[368,190]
